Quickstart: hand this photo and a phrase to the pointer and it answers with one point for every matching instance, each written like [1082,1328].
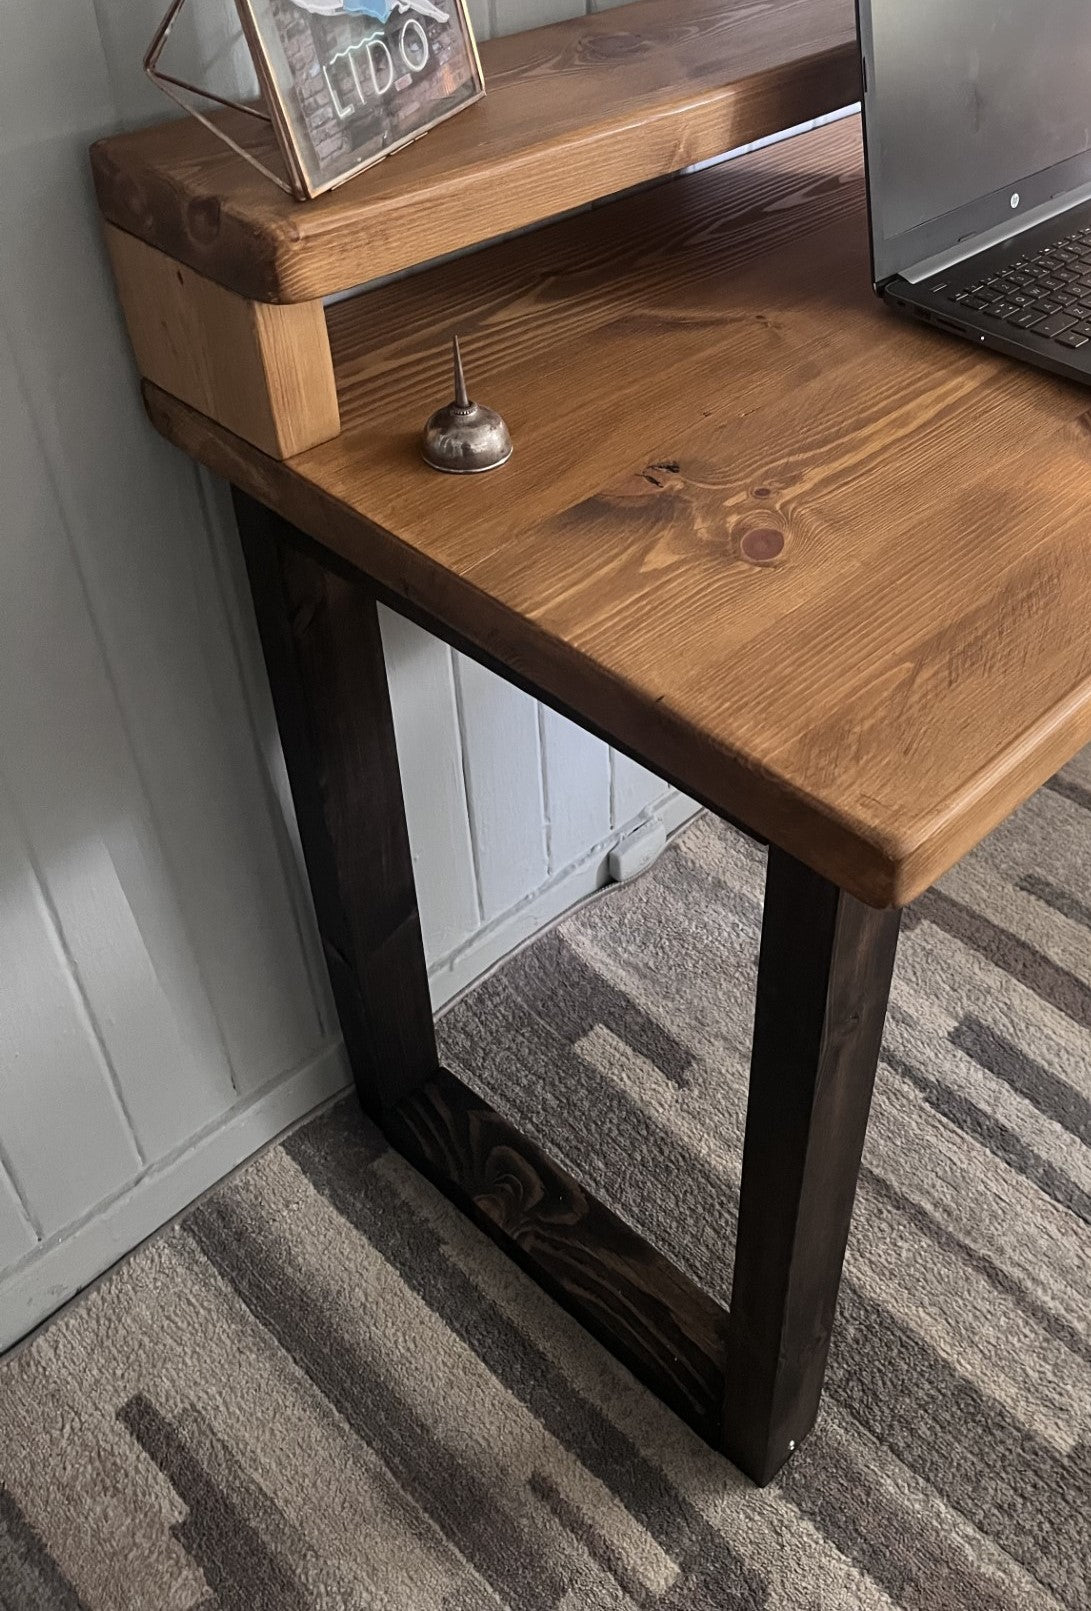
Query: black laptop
[977,119]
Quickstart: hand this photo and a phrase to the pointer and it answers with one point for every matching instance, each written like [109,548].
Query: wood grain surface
[263,371]
[669,1333]
[828,570]
[574,111]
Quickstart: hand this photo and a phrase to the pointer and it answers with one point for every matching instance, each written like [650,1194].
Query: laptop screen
[967,100]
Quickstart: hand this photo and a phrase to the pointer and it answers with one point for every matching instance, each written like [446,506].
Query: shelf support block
[263,370]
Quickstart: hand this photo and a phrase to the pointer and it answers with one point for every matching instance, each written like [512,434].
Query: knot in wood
[762,545]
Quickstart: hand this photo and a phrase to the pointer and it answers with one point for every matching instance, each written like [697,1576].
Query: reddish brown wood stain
[763,545]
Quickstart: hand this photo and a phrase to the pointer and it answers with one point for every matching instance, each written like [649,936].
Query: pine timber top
[826,569]
[574,112]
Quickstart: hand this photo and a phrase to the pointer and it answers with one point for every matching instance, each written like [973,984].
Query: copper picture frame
[344,82]
[170,85]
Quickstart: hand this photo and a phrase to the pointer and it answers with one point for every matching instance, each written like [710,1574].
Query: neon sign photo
[350,81]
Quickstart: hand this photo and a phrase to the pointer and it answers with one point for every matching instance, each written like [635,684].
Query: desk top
[575,111]
[829,571]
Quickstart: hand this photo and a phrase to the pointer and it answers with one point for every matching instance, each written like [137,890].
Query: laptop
[977,132]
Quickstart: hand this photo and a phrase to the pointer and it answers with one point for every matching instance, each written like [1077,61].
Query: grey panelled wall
[163,1009]
[160,1003]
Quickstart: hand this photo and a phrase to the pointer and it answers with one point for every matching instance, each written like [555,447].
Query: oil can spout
[462,399]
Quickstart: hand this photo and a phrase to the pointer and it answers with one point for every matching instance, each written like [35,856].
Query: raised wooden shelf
[824,569]
[201,243]
[574,112]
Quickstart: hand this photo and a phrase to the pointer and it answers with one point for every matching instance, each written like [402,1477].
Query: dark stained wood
[687,372]
[629,1296]
[748,1381]
[823,982]
[575,111]
[324,656]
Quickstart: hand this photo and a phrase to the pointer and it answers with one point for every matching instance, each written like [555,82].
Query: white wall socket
[635,853]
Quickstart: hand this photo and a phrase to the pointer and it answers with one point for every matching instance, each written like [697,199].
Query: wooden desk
[826,571]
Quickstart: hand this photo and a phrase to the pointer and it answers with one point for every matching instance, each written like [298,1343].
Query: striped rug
[326,1390]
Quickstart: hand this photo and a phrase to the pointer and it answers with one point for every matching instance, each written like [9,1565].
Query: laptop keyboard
[1048,291]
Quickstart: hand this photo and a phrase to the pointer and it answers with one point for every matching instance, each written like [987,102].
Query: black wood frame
[749,1379]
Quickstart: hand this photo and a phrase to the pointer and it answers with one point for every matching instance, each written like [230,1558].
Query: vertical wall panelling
[234,594]
[17,1234]
[480,16]
[66,1138]
[513,16]
[633,789]
[576,772]
[135,524]
[153,979]
[422,692]
[504,785]
[84,826]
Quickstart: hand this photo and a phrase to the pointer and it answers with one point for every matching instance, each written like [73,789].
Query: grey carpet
[326,1390]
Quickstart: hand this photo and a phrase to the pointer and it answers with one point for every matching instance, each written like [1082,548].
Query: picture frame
[347,82]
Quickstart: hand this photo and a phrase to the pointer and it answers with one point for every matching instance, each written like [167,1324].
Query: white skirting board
[55,1271]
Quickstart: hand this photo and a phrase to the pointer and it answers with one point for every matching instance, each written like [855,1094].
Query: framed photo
[349,81]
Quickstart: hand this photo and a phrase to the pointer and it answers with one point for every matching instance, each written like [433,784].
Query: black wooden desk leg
[823,983]
[320,634]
